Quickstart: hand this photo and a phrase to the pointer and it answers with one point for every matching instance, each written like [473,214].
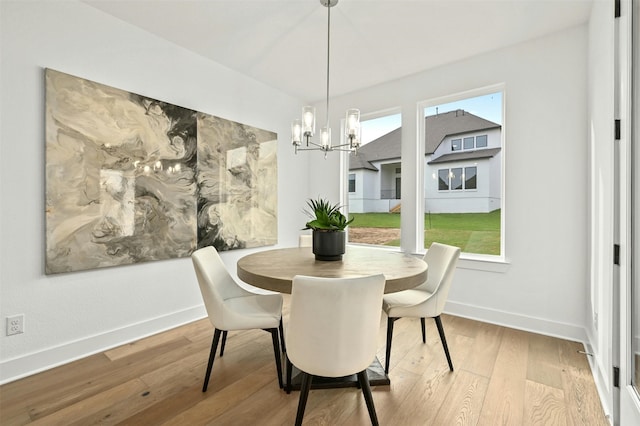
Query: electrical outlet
[15,325]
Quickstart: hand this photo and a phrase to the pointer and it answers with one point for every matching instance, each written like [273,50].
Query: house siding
[484,199]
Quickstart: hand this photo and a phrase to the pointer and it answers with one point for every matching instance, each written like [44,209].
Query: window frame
[460,96]
[349,180]
[450,175]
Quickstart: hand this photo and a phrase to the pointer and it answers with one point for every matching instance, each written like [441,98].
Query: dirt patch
[373,235]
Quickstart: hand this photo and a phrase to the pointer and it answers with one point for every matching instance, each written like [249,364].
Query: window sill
[477,262]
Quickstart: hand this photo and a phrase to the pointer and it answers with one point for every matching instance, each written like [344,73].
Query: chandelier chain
[328,57]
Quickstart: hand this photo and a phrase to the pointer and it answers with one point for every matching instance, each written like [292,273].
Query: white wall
[543,284]
[71,315]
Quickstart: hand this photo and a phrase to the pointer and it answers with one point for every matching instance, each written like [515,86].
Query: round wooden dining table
[274,269]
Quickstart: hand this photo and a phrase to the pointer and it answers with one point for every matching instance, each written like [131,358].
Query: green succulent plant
[325,216]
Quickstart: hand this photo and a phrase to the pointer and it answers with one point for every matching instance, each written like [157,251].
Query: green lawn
[472,232]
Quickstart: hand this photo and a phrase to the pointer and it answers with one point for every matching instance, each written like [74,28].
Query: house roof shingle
[360,162]
[437,128]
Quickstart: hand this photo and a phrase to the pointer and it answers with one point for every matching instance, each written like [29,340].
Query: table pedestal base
[375,372]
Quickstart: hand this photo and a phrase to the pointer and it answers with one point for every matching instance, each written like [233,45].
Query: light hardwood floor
[502,377]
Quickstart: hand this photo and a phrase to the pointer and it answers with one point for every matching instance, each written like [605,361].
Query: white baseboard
[17,368]
[518,321]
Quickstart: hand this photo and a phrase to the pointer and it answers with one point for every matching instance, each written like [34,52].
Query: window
[375,206]
[454,179]
[352,182]
[470,178]
[463,187]
[468,143]
[443,179]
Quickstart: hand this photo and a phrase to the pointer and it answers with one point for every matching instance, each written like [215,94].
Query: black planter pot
[328,245]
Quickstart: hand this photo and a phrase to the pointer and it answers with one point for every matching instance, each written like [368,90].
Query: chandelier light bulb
[309,120]
[325,138]
[296,132]
[353,121]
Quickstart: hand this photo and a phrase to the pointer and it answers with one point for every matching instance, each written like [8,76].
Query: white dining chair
[332,331]
[231,308]
[305,240]
[428,299]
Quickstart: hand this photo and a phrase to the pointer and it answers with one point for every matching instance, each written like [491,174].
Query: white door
[628,100]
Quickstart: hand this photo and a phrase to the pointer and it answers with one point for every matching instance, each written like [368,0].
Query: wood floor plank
[406,334]
[464,400]
[145,344]
[502,376]
[504,401]
[397,397]
[80,412]
[220,400]
[51,382]
[460,325]
[74,388]
[420,403]
[581,399]
[485,348]
[544,361]
[512,358]
[544,405]
[162,410]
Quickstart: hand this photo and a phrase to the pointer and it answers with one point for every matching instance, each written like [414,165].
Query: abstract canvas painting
[237,181]
[123,184]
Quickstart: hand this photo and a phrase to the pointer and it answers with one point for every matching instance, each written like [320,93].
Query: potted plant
[328,225]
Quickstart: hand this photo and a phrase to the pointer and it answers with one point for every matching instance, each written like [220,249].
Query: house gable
[440,126]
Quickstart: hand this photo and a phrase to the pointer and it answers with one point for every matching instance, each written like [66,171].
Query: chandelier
[306,126]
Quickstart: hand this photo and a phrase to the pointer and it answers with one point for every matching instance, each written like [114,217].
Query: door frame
[627,98]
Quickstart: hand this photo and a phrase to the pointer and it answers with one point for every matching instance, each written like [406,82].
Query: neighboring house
[462,167]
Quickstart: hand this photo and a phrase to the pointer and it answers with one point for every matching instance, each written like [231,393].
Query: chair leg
[444,340]
[424,334]
[304,394]
[289,373]
[224,342]
[363,379]
[390,322]
[276,351]
[212,355]
[284,348]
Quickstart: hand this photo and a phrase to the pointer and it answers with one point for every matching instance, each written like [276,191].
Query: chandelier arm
[310,149]
[315,144]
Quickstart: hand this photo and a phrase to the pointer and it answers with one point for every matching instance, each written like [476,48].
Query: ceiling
[283,43]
